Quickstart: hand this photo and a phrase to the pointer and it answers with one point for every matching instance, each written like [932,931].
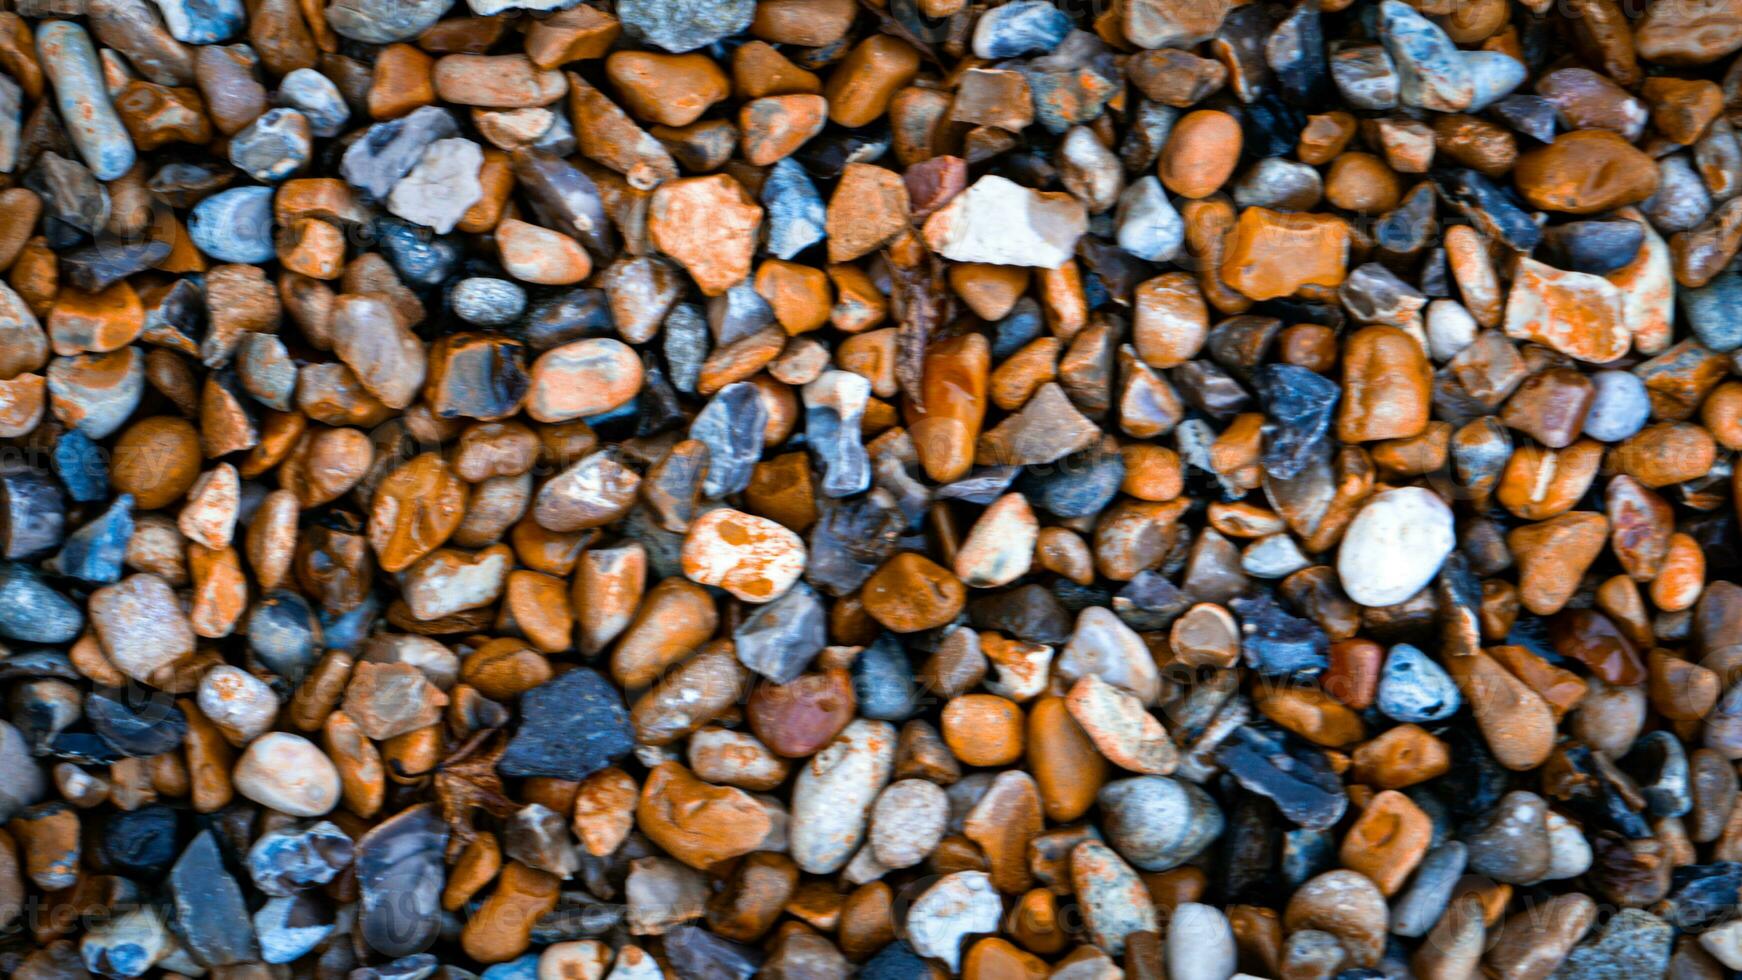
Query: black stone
[421,257]
[32,513]
[565,199]
[1271,126]
[1296,776]
[1299,405]
[1491,208]
[1022,324]
[136,731]
[896,961]
[1209,389]
[99,266]
[142,843]
[572,314]
[1274,642]
[83,748]
[211,917]
[828,154]
[570,728]
[850,540]
[1028,612]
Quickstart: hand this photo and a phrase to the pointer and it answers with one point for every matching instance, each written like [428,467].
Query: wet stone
[288,860]
[140,730]
[1413,688]
[235,225]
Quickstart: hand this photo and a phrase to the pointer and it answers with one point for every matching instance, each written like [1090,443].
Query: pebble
[834,794]
[974,226]
[1394,546]
[571,727]
[1413,688]
[70,61]
[289,774]
[1158,823]
[953,907]
[234,225]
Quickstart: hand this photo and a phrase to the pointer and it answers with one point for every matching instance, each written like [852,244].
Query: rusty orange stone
[946,427]
[670,89]
[1272,254]
[861,85]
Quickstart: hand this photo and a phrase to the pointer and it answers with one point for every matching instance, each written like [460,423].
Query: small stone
[274,146]
[235,225]
[1395,546]
[1149,227]
[752,557]
[1000,222]
[289,774]
[212,920]
[400,871]
[1158,823]
[1020,28]
[141,626]
[955,906]
[570,727]
[1413,688]
[439,189]
[907,822]
[389,150]
[684,26]
[384,21]
[285,861]
[834,793]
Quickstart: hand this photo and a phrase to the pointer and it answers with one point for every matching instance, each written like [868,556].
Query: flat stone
[442,186]
[1000,222]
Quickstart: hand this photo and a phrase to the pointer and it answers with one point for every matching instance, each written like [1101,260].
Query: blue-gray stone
[136,730]
[1532,115]
[70,61]
[284,634]
[731,426]
[1432,71]
[290,859]
[982,486]
[697,954]
[1682,202]
[1070,96]
[235,225]
[883,681]
[1148,225]
[344,631]
[1416,911]
[487,302]
[384,21]
[1306,853]
[1020,28]
[570,728]
[684,25]
[1022,324]
[737,313]
[1150,602]
[105,263]
[1299,405]
[1274,642]
[523,968]
[81,467]
[1158,823]
[414,967]
[211,917]
[896,961]
[11,123]
[290,928]
[203,21]
[273,146]
[1714,311]
[1598,247]
[571,314]
[794,210]
[834,409]
[75,206]
[1295,51]
[419,256]
[32,611]
[1491,209]
[1296,776]
[1493,75]
[1078,485]
[389,150]
[1634,944]
[1619,408]
[851,539]
[780,638]
[1365,75]
[563,198]
[1413,688]
[685,345]
[22,781]
[1702,895]
[400,875]
[95,552]
[315,96]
